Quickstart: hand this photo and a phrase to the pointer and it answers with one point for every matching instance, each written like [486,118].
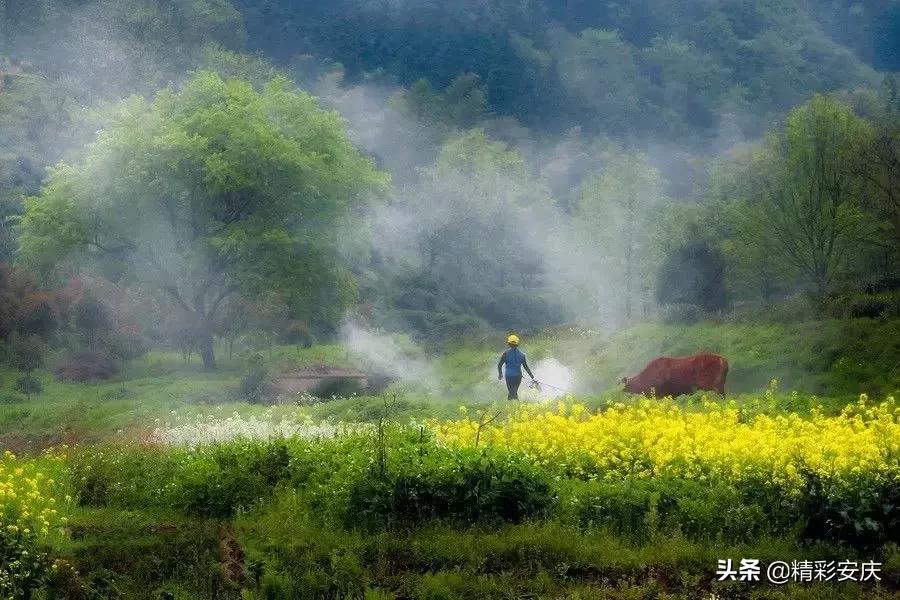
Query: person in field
[514,361]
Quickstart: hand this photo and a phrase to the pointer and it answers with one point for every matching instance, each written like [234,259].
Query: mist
[382,354]
[497,219]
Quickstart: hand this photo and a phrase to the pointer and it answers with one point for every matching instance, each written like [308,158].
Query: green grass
[835,360]
[298,558]
[817,357]
[289,555]
[814,357]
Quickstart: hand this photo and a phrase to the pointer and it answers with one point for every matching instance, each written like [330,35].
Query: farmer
[514,359]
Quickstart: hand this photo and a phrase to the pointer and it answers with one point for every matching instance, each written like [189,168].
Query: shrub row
[355,482]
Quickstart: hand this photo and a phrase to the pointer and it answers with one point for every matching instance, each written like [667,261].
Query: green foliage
[663,507]
[255,380]
[866,515]
[23,566]
[469,486]
[251,163]
[229,478]
[152,41]
[677,71]
[807,209]
[618,212]
[142,554]
[9,398]
[543,559]
[28,353]
[91,318]
[28,384]
[695,274]
[473,253]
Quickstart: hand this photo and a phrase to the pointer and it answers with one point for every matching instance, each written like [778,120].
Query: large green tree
[475,249]
[807,202]
[206,191]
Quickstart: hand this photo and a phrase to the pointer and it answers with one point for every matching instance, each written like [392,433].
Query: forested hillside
[523,136]
[643,69]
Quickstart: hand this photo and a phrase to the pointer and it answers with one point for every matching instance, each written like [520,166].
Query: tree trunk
[206,351]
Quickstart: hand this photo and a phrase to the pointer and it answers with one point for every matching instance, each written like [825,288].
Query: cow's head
[628,384]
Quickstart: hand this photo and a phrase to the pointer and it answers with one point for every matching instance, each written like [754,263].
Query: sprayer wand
[534,383]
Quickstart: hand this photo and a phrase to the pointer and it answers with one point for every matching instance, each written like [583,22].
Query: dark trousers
[512,386]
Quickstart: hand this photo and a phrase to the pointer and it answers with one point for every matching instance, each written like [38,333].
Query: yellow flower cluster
[32,499]
[718,442]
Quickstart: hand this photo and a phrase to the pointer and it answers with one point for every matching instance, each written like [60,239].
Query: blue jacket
[514,359]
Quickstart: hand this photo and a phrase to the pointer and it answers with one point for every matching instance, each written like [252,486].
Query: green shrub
[225,478]
[885,304]
[134,553]
[254,381]
[28,384]
[320,565]
[866,515]
[23,567]
[10,398]
[644,508]
[465,485]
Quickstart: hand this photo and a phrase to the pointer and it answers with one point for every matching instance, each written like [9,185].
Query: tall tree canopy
[806,204]
[469,239]
[619,215]
[204,192]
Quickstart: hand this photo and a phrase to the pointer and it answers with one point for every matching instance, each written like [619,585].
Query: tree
[91,318]
[618,212]
[695,274]
[599,68]
[755,269]
[879,166]
[473,251]
[204,192]
[28,355]
[810,197]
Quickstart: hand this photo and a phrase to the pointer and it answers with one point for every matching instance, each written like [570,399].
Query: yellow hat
[513,340]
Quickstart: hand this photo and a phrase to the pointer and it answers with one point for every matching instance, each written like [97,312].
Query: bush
[23,568]
[87,367]
[694,274]
[29,384]
[28,353]
[644,508]
[864,306]
[37,316]
[91,319]
[10,398]
[227,478]
[298,333]
[464,485]
[866,516]
[254,382]
[125,345]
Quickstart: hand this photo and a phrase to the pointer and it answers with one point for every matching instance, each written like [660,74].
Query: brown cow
[672,376]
